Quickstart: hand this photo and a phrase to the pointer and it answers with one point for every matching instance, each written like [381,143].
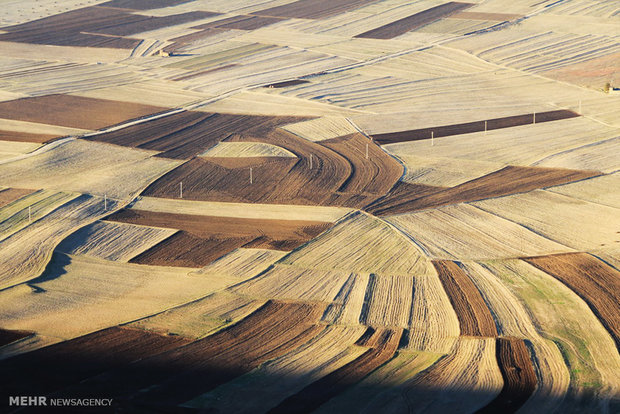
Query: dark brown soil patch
[314,9]
[9,195]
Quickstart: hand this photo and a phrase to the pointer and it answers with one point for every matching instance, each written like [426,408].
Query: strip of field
[206,238]
[8,195]
[142,4]
[443,171]
[286,84]
[25,137]
[8,336]
[187,372]
[313,9]
[594,281]
[246,149]
[54,367]
[346,307]
[264,388]
[398,197]
[508,180]
[463,231]
[148,23]
[475,319]
[73,111]
[520,380]
[186,134]
[469,127]
[500,17]
[415,21]
[383,344]
[322,128]
[595,190]
[244,263]
[240,210]
[113,241]
[387,301]
[241,23]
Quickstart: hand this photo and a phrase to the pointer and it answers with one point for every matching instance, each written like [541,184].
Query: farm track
[415,21]
[9,195]
[203,239]
[50,369]
[474,316]
[469,127]
[509,180]
[519,376]
[597,283]
[74,111]
[382,343]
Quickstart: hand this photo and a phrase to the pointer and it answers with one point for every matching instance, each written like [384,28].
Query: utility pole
[310,161]
[485,127]
[432,138]
[29,215]
[366,150]
[105,202]
[250,175]
[534,117]
[181,189]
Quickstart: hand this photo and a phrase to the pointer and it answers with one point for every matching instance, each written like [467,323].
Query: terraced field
[310,206]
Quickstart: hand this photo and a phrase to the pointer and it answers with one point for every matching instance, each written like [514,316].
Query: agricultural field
[310,206]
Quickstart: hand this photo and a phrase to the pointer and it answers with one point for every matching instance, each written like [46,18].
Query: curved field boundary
[415,21]
[57,366]
[509,180]
[519,376]
[469,127]
[383,344]
[475,318]
[597,283]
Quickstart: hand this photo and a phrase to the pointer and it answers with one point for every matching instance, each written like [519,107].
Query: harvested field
[52,368]
[186,134]
[415,21]
[469,127]
[142,4]
[73,111]
[244,263]
[113,241]
[25,137]
[397,199]
[444,172]
[508,180]
[8,336]
[148,23]
[520,380]
[187,372]
[595,190]
[382,343]
[322,128]
[286,84]
[8,195]
[245,149]
[387,301]
[475,319]
[264,388]
[500,17]
[241,23]
[313,9]
[11,150]
[206,238]
[593,280]
[346,307]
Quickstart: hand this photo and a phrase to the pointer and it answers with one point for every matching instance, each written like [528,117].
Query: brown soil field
[519,376]
[204,239]
[142,4]
[286,84]
[474,316]
[183,135]
[181,41]
[57,366]
[74,28]
[499,17]
[25,137]
[469,127]
[8,195]
[151,23]
[415,21]
[10,335]
[597,283]
[241,22]
[186,372]
[319,175]
[396,201]
[508,180]
[74,111]
[313,9]
[383,344]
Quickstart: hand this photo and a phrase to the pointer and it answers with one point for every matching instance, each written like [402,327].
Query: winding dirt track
[596,282]
[519,376]
[383,344]
[474,316]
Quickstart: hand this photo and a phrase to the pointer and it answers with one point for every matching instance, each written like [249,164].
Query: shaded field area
[415,21]
[508,180]
[313,9]
[597,283]
[286,84]
[203,239]
[74,111]
[333,173]
[8,195]
[52,368]
[474,316]
[93,27]
[469,127]
[174,377]
[518,373]
[186,134]
[25,137]
[8,336]
[382,343]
